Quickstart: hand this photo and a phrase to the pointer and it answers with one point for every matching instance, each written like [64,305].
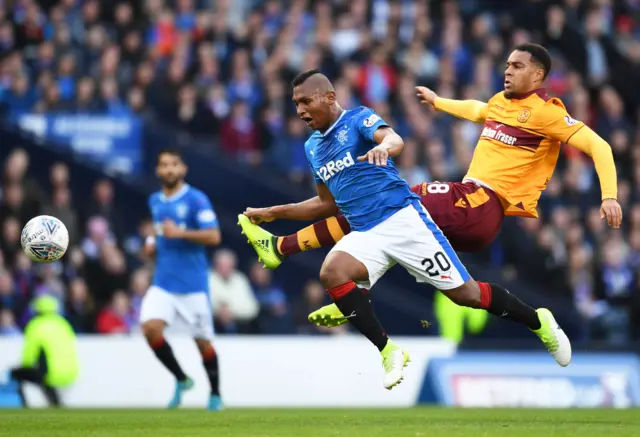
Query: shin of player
[498,301]
[184,223]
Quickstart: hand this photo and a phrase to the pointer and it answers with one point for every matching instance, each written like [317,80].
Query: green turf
[414,422]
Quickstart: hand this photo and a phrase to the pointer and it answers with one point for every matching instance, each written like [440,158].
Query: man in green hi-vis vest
[50,354]
[452,318]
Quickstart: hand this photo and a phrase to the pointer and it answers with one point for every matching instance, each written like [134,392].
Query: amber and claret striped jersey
[519,147]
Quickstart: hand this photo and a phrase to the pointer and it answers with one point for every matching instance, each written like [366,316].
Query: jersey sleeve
[558,124]
[307,154]
[316,178]
[367,122]
[205,216]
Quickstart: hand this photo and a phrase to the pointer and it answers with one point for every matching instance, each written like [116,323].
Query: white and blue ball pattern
[44,239]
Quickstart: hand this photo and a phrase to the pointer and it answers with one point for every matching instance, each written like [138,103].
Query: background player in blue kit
[349,153]
[184,223]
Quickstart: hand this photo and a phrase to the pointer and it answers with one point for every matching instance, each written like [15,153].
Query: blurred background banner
[112,141]
[252,369]
[484,379]
[9,397]
[254,375]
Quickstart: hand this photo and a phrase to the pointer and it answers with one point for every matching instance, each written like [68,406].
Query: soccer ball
[44,239]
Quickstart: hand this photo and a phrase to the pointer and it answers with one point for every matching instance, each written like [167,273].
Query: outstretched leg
[272,250]
[498,301]
[325,233]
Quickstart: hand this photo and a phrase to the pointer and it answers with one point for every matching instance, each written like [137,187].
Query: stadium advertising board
[533,380]
[113,141]
[266,371]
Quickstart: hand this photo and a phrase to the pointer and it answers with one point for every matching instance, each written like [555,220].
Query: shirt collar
[175,196]
[344,111]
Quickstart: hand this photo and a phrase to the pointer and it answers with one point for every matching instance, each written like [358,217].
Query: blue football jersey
[181,266]
[365,193]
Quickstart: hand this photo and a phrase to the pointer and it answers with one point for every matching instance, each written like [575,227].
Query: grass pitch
[413,422]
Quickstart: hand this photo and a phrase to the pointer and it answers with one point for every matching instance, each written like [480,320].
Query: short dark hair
[302,77]
[169,151]
[539,55]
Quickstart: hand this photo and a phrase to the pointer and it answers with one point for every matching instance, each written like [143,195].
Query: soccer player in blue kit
[349,153]
[184,223]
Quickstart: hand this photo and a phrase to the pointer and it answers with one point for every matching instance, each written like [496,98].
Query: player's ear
[330,97]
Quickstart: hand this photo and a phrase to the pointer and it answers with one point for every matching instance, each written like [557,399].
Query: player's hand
[611,210]
[171,230]
[259,215]
[378,155]
[426,96]
[149,250]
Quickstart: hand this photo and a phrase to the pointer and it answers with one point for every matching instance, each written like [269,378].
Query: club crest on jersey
[182,210]
[342,136]
[524,115]
[332,167]
[570,121]
[371,120]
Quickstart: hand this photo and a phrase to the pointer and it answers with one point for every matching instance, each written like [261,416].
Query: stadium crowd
[222,68]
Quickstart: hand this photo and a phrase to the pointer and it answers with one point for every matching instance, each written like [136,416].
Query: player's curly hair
[539,55]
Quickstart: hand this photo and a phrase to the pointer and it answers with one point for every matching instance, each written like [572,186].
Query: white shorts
[192,310]
[409,238]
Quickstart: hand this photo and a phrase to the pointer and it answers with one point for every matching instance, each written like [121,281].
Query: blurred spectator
[314,297]
[107,274]
[50,281]
[231,293]
[8,323]
[140,282]
[19,98]
[62,209]
[240,135]
[59,176]
[115,318]
[10,240]
[80,309]
[9,297]
[618,282]
[275,316]
[97,234]
[24,277]
[103,205]
[22,194]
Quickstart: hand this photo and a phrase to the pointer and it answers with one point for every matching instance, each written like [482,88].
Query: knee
[205,347]
[153,330]
[334,274]
[467,295]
